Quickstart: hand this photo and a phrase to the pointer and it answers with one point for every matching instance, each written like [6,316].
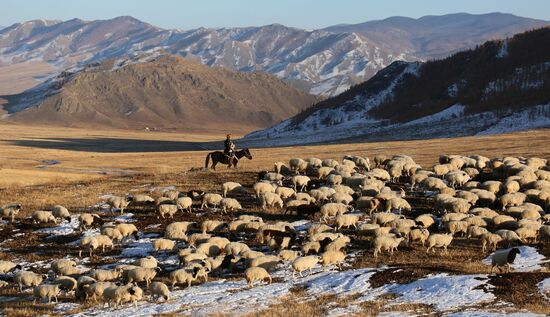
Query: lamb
[419,234]
[59,211]
[297,165]
[142,274]
[86,220]
[504,258]
[182,276]
[230,204]
[212,225]
[118,202]
[262,188]
[347,220]
[333,257]
[122,294]
[387,243]
[439,240]
[271,200]
[41,216]
[211,199]
[27,278]
[163,244]
[288,255]
[7,266]
[513,199]
[491,240]
[300,181]
[185,203]
[159,289]
[284,192]
[147,262]
[332,209]
[304,263]
[104,275]
[10,211]
[228,187]
[46,291]
[256,273]
[397,203]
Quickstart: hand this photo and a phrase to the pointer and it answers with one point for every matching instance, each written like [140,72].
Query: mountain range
[500,86]
[323,62]
[157,91]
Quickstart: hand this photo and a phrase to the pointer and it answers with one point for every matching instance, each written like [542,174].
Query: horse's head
[247,153]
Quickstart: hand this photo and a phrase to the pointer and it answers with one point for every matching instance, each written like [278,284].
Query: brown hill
[167,92]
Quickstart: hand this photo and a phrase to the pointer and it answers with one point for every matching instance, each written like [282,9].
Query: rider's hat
[228,135]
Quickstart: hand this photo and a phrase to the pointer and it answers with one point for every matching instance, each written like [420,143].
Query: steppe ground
[42,166]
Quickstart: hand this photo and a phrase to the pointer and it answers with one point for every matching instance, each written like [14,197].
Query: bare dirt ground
[95,163]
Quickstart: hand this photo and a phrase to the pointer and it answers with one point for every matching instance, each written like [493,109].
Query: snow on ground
[436,290]
[63,229]
[528,260]
[481,313]
[544,287]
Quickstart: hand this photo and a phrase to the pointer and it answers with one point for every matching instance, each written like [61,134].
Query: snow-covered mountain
[498,87]
[324,62]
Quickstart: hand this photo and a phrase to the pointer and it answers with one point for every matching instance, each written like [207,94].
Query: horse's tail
[207,160]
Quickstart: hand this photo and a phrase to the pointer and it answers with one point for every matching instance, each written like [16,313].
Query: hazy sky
[186,14]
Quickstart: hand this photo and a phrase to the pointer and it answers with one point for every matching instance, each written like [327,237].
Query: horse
[220,157]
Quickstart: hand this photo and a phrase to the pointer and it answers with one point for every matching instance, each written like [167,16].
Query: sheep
[236,248]
[525,233]
[347,220]
[230,204]
[27,278]
[219,263]
[504,258]
[486,198]
[182,276]
[505,222]
[238,225]
[46,291]
[332,209]
[118,202]
[475,232]
[383,218]
[185,203]
[318,228]
[163,200]
[337,244]
[454,227]
[268,262]
[186,258]
[439,240]
[86,220]
[284,192]
[279,167]
[251,254]
[104,275]
[324,171]
[181,227]
[442,169]
[311,246]
[508,235]
[387,243]
[169,209]
[209,249]
[66,283]
[468,196]
[228,187]
[330,163]
[297,165]
[513,199]
[271,200]
[10,211]
[419,234]
[453,216]
[112,233]
[490,240]
[432,183]
[212,225]
[544,232]
[367,204]
[127,229]
[95,242]
[59,211]
[343,198]
[273,178]
[41,216]
[250,218]
[58,264]
[211,199]
[159,289]
[7,266]
[457,178]
[333,257]
[163,244]
[142,274]
[300,181]
[122,294]
[256,273]
[426,220]
[397,203]
[288,255]
[304,263]
[262,188]
[147,262]
[334,179]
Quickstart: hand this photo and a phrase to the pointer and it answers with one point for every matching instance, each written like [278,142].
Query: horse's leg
[214,163]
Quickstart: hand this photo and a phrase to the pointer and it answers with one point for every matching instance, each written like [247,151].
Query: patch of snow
[481,313]
[528,260]
[503,50]
[63,229]
[127,217]
[454,111]
[544,287]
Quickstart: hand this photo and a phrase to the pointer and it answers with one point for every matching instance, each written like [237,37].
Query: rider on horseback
[229,150]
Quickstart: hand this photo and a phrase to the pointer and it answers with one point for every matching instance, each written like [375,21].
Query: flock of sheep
[492,202]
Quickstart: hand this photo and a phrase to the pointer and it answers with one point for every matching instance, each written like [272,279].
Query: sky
[308,14]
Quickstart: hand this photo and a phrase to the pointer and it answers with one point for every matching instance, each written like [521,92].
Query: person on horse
[229,150]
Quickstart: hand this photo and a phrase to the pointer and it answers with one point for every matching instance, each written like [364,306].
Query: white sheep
[7,266]
[513,199]
[86,220]
[236,248]
[454,227]
[397,203]
[262,188]
[104,275]
[457,178]
[208,249]
[142,274]
[279,167]
[288,255]
[185,203]
[167,209]
[212,225]
[475,232]
[347,220]
[46,291]
[147,262]
[271,200]
[300,181]
[304,263]
[61,212]
[387,243]
[297,165]
[490,240]
[27,278]
[332,209]
[285,192]
[318,228]
[333,257]
[230,204]
[66,283]
[163,244]
[221,242]
[159,289]
[112,233]
[42,216]
[122,294]
[10,211]
[419,234]
[334,179]
[184,276]
[268,262]
[127,229]
[118,202]
[256,273]
[439,240]
[211,199]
